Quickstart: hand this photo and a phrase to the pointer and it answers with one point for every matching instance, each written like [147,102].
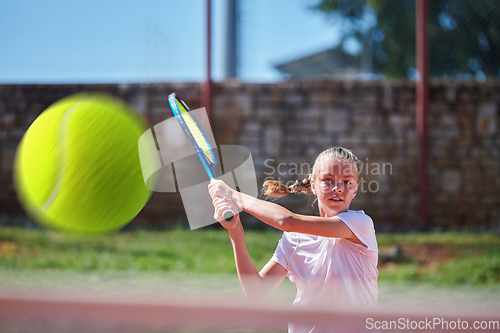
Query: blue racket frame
[209,166]
[173,98]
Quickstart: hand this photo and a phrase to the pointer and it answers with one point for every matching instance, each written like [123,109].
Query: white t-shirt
[333,272]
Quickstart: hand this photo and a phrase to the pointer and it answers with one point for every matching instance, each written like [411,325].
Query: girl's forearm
[250,279]
[268,212]
[281,218]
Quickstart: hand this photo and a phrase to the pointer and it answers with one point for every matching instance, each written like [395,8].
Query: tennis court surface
[56,301]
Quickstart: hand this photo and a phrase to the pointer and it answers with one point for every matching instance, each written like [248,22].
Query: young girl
[332,258]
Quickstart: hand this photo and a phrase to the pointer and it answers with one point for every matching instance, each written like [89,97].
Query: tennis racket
[196,136]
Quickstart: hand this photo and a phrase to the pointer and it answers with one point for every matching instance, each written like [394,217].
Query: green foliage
[352,9]
[464,35]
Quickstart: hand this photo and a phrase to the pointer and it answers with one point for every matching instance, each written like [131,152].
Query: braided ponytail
[276,189]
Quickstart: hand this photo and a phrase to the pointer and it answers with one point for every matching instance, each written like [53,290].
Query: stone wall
[287,124]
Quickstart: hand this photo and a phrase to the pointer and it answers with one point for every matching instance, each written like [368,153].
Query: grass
[177,250]
[475,257]
[447,238]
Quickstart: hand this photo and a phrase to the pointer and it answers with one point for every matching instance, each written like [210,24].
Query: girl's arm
[256,286]
[281,218]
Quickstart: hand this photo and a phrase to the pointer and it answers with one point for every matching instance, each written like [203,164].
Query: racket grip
[228,215]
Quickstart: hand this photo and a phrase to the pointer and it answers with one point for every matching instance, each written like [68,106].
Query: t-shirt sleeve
[282,254]
[362,226]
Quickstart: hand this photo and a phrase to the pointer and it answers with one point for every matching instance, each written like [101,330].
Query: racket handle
[228,215]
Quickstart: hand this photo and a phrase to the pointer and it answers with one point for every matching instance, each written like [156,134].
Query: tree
[464,35]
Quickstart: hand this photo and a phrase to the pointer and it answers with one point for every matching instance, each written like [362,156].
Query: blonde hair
[276,189]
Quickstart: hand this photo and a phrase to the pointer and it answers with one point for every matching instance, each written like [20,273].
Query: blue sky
[94,41]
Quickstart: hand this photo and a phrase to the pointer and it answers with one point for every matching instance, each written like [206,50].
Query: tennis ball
[77,168]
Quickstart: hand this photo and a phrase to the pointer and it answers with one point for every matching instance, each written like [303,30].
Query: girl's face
[335,184]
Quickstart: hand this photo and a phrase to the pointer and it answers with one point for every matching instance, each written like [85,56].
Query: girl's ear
[312,187]
[355,191]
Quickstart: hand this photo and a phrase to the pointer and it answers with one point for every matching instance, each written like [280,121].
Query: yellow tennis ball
[77,168]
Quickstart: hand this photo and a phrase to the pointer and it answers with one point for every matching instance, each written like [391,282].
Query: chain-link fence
[153,41]
[101,41]
[464,36]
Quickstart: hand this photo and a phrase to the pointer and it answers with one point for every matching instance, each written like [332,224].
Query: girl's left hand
[221,205]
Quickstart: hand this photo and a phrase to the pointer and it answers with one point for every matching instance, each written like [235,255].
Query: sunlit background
[151,40]
[341,72]
[95,41]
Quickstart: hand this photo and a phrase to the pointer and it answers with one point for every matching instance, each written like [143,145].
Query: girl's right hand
[221,205]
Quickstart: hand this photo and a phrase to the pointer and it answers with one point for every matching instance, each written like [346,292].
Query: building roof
[331,63]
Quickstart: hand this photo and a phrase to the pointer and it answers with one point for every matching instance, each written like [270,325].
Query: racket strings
[195,132]
[198,136]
